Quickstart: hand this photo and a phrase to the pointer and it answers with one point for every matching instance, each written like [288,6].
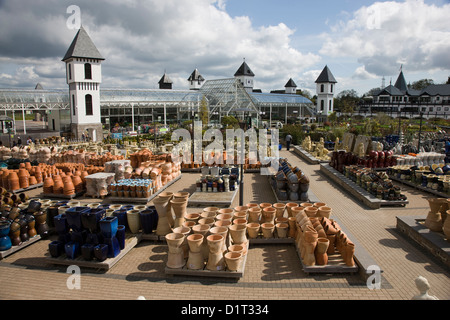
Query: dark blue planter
[91,219]
[108,226]
[149,220]
[93,239]
[5,227]
[113,247]
[127,207]
[120,235]
[79,236]
[64,238]
[60,222]
[87,251]
[101,252]
[74,217]
[72,250]
[121,217]
[5,243]
[56,248]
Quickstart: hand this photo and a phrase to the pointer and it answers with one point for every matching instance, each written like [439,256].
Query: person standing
[288,141]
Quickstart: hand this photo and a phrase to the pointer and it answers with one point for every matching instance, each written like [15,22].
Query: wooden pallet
[13,249]
[130,242]
[62,196]
[34,186]
[212,199]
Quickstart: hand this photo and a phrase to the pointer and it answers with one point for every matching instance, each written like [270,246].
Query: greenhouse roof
[279,99]
[148,96]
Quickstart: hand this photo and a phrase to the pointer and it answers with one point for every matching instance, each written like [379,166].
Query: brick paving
[272,272]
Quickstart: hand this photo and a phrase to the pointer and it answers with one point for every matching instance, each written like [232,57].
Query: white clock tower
[84,75]
[326,87]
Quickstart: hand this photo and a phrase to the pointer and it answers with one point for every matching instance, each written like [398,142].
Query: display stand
[144,200]
[34,186]
[212,199]
[13,249]
[435,243]
[63,196]
[420,187]
[130,242]
[311,196]
[308,157]
[359,193]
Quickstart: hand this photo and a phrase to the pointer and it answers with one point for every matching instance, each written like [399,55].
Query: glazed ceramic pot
[267,230]
[282,230]
[149,220]
[14,233]
[72,250]
[134,221]
[34,206]
[5,240]
[195,260]
[216,260]
[87,251]
[113,246]
[232,260]
[175,259]
[121,235]
[60,222]
[101,252]
[253,230]
[108,226]
[31,226]
[56,248]
[73,215]
[238,233]
[90,220]
[121,216]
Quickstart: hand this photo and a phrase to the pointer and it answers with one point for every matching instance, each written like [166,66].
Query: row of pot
[133,188]
[290,183]
[319,236]
[437,218]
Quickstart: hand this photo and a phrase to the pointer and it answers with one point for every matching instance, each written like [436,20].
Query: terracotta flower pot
[175,259]
[253,230]
[292,221]
[280,208]
[203,230]
[282,230]
[195,260]
[268,215]
[216,260]
[233,260]
[267,230]
[179,206]
[311,211]
[289,207]
[254,215]
[321,251]
[238,233]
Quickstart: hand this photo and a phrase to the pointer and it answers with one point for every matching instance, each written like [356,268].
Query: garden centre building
[87,108]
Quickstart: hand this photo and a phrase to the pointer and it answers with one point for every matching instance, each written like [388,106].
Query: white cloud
[387,34]
[142,39]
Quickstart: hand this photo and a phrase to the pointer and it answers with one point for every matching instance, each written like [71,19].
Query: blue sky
[361,41]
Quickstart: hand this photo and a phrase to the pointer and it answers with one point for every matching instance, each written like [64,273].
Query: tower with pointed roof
[326,87]
[165,83]
[195,80]
[291,87]
[84,76]
[245,76]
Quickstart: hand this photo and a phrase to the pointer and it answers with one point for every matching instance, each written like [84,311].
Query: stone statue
[336,144]
[423,286]
[361,150]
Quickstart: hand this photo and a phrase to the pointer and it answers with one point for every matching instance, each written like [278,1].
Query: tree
[204,112]
[230,122]
[346,101]
[421,84]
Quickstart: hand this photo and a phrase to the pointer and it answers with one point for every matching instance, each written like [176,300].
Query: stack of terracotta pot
[62,183]
[27,176]
[100,160]
[318,236]
[214,239]
[221,161]
[143,155]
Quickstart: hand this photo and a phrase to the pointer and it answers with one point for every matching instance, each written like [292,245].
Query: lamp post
[420,132]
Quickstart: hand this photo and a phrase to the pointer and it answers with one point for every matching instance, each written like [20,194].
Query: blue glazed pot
[91,218]
[87,251]
[120,235]
[121,217]
[103,206]
[72,250]
[60,222]
[74,217]
[108,226]
[149,220]
[56,248]
[5,227]
[5,243]
[128,207]
[113,247]
[93,239]
[101,252]
[78,236]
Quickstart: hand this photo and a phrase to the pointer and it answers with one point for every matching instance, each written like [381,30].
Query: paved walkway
[272,272]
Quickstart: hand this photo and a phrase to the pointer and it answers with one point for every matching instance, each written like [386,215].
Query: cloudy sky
[361,41]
